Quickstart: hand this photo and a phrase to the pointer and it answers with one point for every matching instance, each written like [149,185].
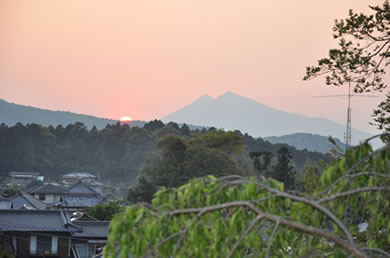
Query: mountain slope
[311,142]
[11,114]
[233,112]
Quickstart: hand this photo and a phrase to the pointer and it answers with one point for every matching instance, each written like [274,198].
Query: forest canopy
[117,152]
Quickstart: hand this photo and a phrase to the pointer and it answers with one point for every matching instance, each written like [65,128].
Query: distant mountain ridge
[311,142]
[11,113]
[233,112]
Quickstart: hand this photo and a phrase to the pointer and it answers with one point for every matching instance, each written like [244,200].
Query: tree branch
[272,238]
[329,188]
[347,245]
[314,204]
[244,234]
[355,191]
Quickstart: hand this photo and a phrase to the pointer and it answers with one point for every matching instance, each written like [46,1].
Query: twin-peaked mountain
[233,112]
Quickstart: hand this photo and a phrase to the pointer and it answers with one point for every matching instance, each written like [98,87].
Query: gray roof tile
[5,203]
[80,200]
[48,189]
[80,187]
[36,220]
[93,229]
[20,200]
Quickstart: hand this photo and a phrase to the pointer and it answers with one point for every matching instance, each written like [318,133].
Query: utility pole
[348,130]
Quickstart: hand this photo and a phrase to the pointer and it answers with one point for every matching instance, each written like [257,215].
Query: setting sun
[126,119]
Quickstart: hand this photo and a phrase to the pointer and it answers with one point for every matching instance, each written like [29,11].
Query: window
[54,245]
[42,197]
[33,244]
[44,245]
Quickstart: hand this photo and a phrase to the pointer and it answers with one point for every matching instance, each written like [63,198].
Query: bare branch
[314,204]
[244,234]
[167,239]
[355,191]
[386,254]
[272,238]
[347,245]
[329,188]
[357,164]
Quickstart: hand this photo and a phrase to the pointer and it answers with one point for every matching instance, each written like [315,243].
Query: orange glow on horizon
[126,119]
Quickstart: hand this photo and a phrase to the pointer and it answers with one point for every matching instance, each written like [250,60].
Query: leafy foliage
[104,212]
[363,49]
[310,179]
[282,170]
[361,58]
[234,216]
[180,160]
[117,152]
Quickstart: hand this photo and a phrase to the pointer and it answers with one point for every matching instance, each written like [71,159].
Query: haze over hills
[11,113]
[311,142]
[233,112]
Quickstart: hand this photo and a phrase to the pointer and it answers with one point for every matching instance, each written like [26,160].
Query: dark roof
[36,220]
[22,200]
[48,189]
[80,187]
[79,175]
[5,203]
[80,200]
[93,229]
[25,173]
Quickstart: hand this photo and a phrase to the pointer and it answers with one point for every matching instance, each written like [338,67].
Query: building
[78,196]
[37,232]
[74,177]
[48,193]
[5,203]
[24,178]
[50,233]
[26,201]
[92,239]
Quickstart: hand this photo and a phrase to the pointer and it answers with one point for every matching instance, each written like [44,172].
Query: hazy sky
[147,58]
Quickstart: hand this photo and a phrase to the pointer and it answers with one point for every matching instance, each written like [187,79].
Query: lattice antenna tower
[348,129]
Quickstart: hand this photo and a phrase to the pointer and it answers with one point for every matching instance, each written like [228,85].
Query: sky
[146,59]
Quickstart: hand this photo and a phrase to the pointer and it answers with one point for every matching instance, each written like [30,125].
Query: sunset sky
[148,58]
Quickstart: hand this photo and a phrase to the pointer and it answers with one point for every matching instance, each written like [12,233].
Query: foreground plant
[235,216]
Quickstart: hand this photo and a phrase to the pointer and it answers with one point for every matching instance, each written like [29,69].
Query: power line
[348,130]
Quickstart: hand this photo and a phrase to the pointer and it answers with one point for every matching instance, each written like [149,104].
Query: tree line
[117,153]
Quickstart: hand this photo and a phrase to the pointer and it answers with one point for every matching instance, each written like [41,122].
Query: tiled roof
[48,189]
[5,203]
[36,220]
[80,187]
[78,175]
[92,229]
[80,200]
[20,200]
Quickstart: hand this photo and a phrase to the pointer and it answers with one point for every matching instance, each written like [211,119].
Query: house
[26,201]
[74,177]
[5,203]
[96,186]
[48,193]
[50,233]
[24,178]
[86,178]
[79,196]
[92,239]
[40,233]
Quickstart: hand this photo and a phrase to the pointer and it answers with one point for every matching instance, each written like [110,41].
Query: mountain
[233,112]
[11,113]
[311,142]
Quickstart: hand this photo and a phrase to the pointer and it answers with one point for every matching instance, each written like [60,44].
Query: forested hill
[116,152]
[311,142]
[11,113]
